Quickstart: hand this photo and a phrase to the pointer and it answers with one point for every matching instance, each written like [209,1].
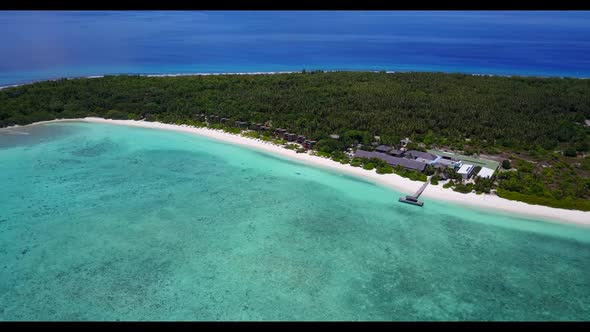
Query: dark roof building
[308,144]
[290,137]
[419,154]
[383,148]
[440,166]
[391,160]
[404,162]
[279,132]
[364,154]
[396,153]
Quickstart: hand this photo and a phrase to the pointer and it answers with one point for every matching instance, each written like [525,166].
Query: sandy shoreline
[393,181]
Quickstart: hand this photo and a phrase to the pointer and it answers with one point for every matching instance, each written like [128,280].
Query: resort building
[289,137]
[391,160]
[389,150]
[383,148]
[242,124]
[447,162]
[485,173]
[364,154]
[396,153]
[279,132]
[308,144]
[477,161]
[224,120]
[465,171]
[334,136]
[300,139]
[424,157]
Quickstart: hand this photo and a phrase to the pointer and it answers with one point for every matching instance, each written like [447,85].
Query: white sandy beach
[394,181]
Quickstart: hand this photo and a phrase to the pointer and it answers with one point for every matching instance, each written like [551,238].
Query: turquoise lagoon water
[103,222]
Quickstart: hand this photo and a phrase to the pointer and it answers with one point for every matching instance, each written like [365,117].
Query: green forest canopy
[512,112]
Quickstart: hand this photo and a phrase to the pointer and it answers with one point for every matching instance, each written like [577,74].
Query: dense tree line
[508,112]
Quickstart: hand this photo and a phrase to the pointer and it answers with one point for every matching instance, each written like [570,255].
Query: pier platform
[414,198]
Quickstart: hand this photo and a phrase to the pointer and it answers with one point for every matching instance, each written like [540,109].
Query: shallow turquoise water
[101,222]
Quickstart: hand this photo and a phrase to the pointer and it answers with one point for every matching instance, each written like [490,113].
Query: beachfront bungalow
[383,148]
[224,120]
[485,173]
[289,137]
[300,139]
[308,144]
[465,171]
[279,132]
[214,118]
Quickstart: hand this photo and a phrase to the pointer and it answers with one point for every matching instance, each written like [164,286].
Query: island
[519,138]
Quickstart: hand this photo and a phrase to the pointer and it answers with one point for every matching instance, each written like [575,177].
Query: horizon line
[279,72]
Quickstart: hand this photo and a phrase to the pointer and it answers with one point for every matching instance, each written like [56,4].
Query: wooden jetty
[414,199]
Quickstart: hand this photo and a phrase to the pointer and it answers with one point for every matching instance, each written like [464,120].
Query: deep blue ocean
[45,44]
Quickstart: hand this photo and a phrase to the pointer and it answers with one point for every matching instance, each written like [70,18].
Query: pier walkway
[414,199]
[419,192]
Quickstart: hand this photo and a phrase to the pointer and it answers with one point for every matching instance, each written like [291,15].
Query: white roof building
[485,173]
[465,170]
